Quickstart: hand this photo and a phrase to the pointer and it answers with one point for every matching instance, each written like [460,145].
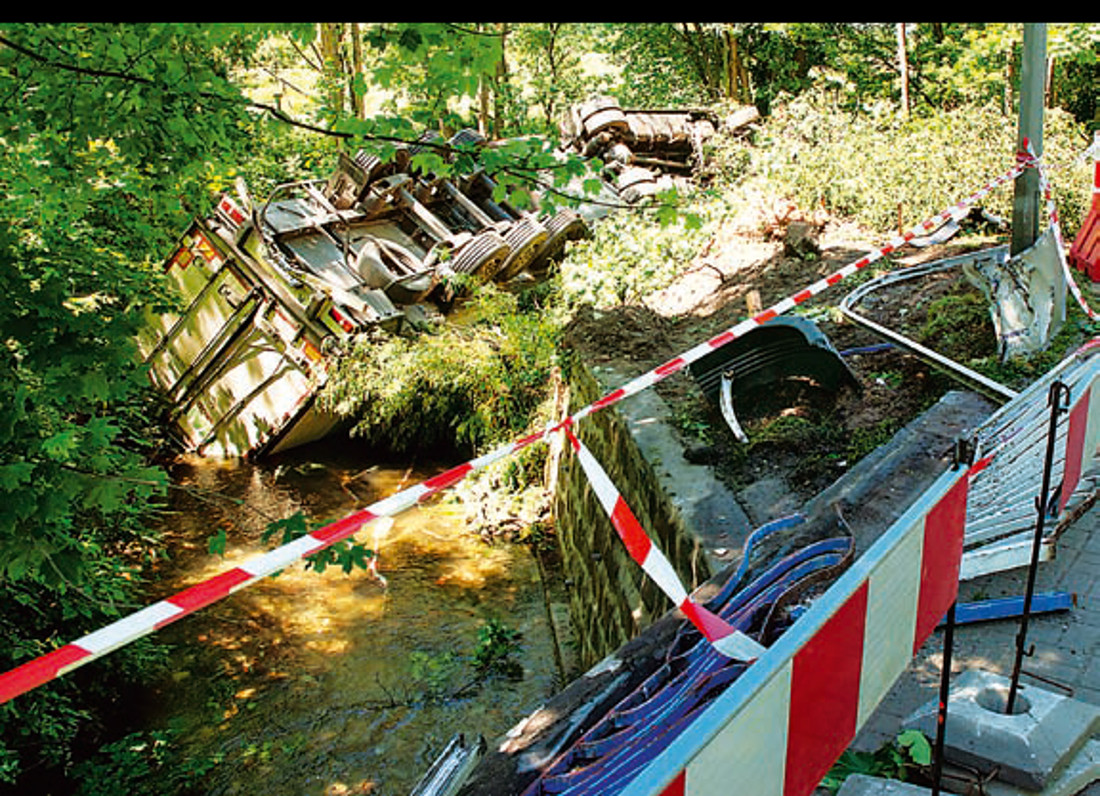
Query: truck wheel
[566,225]
[482,256]
[526,237]
[602,113]
[636,184]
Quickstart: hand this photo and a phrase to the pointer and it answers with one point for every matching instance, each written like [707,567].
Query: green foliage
[1018,372]
[434,65]
[783,57]
[109,132]
[960,327]
[434,674]
[864,165]
[629,256]
[347,554]
[142,764]
[496,644]
[893,760]
[468,384]
[548,58]
[116,134]
[862,441]
[669,63]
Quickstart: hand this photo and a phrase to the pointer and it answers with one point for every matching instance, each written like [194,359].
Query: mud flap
[782,349]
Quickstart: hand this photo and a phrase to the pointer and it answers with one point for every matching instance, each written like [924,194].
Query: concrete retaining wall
[611,599]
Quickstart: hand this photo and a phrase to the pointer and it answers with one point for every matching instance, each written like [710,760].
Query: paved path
[1067,644]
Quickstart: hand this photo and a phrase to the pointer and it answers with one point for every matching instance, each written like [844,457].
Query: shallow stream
[323,684]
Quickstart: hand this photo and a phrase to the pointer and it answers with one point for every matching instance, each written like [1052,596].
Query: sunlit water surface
[328,683]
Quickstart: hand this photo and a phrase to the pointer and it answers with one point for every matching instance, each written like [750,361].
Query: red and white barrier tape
[730,642]
[36,672]
[1055,225]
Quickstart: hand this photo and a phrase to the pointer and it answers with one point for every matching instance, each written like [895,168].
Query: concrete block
[1078,774]
[1027,748]
[863,785]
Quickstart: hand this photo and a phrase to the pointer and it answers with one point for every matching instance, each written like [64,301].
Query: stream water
[323,684]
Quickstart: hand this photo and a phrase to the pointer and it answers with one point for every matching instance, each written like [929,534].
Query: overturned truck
[269,291]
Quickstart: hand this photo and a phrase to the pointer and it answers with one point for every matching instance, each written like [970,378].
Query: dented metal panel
[238,361]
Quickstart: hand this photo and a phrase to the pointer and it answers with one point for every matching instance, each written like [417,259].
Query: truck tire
[600,114]
[635,184]
[526,237]
[482,256]
[566,225]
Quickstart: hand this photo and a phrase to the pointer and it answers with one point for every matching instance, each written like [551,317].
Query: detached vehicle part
[782,349]
[1026,294]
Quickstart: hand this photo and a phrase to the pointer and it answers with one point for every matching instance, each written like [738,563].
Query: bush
[863,166]
[630,255]
[476,381]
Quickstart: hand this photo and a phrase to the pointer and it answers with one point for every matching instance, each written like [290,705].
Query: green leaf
[13,476]
[215,545]
[920,750]
[288,528]
[105,494]
[59,446]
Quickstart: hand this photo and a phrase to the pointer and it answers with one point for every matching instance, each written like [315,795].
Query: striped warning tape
[647,380]
[730,642]
[689,677]
[94,645]
[1056,227]
[132,627]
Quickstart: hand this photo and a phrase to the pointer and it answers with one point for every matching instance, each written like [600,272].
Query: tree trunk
[500,95]
[1010,77]
[903,69]
[332,62]
[737,86]
[358,103]
[553,29]
[483,123]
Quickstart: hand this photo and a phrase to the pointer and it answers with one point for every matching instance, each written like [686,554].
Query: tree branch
[282,116]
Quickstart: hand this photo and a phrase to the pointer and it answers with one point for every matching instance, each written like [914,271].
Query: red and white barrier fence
[1001,509]
[1083,431]
[1084,253]
[94,645]
[779,727]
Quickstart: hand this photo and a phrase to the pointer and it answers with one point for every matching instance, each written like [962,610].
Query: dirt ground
[752,263]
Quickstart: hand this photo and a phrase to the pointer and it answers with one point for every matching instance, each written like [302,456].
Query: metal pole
[1057,389]
[945,686]
[1025,203]
[963,457]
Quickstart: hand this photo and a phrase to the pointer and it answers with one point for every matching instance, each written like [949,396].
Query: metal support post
[1058,393]
[1026,200]
[945,688]
[963,457]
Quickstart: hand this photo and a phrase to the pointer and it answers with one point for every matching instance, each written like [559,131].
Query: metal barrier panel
[1001,510]
[1082,438]
[778,729]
